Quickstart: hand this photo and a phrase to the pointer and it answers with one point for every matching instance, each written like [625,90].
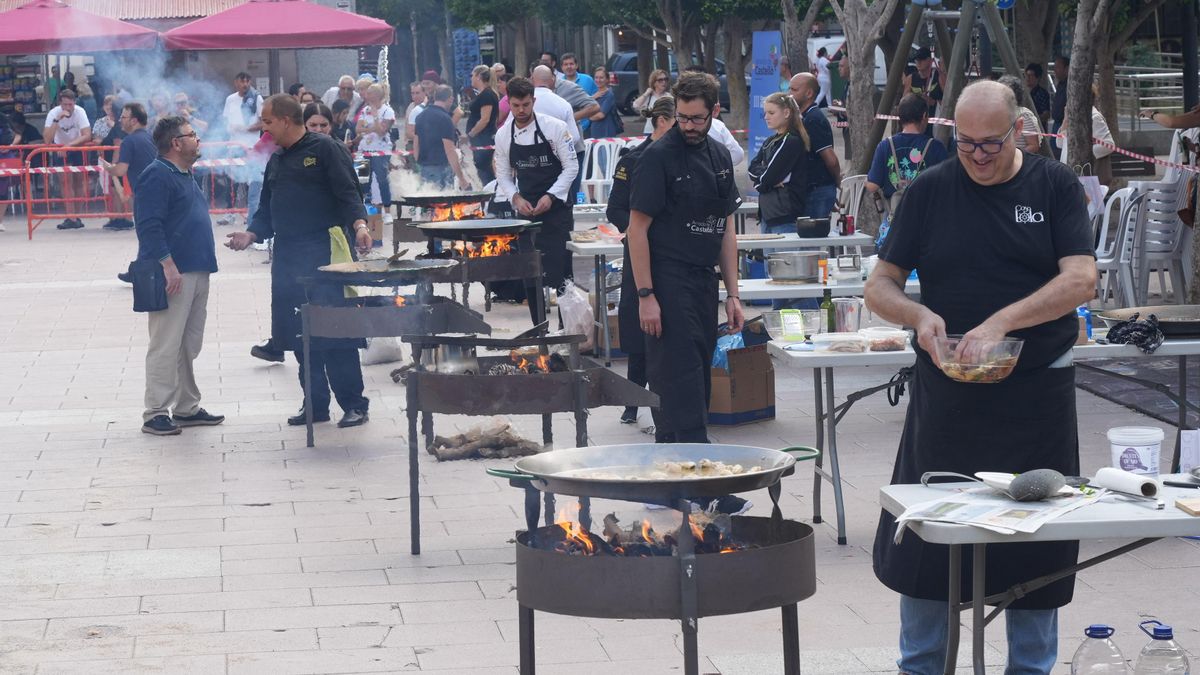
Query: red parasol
[53,27]
[280,24]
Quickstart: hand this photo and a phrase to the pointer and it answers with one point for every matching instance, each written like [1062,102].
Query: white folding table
[823,363]
[1109,518]
[601,251]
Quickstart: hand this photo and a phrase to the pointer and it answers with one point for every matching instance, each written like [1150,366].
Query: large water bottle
[1098,655]
[1162,656]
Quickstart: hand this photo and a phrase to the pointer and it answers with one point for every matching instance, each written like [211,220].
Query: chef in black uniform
[662,115]
[310,200]
[680,228]
[1003,245]
[535,165]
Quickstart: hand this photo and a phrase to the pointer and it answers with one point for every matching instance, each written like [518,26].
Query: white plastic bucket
[1136,449]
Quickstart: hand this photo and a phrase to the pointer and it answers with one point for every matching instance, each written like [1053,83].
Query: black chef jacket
[307,189]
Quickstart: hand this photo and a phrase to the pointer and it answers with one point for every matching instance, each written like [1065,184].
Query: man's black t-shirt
[980,248]
[487,97]
[434,125]
[820,136]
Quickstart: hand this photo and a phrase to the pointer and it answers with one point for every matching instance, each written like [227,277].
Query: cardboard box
[614,335]
[746,391]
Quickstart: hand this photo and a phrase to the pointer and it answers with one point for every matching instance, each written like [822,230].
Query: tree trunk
[796,31]
[645,58]
[677,23]
[444,53]
[890,41]
[521,48]
[863,25]
[736,32]
[1092,18]
[1106,72]
[1035,21]
[708,43]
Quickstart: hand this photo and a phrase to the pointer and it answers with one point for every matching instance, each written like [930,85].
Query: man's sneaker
[267,352]
[70,224]
[161,425]
[298,420]
[201,418]
[125,276]
[353,418]
[629,416]
[119,224]
[729,504]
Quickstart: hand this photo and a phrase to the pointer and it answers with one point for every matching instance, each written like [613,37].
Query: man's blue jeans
[820,201]
[1032,638]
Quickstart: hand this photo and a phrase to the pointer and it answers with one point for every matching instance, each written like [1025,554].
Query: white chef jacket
[559,137]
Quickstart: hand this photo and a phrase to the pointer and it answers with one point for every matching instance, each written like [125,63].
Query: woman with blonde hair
[660,82]
[778,171]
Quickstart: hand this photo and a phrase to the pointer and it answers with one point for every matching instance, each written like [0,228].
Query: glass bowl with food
[977,361]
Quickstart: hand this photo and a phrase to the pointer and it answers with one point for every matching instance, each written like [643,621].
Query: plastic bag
[382,350]
[576,313]
[724,344]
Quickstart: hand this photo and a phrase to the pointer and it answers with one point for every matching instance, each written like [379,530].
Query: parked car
[623,80]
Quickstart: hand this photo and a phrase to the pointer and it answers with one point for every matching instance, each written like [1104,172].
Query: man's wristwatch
[645,292]
[362,226]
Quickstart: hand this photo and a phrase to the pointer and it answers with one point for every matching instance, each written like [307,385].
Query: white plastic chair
[850,194]
[1160,244]
[1114,257]
[600,165]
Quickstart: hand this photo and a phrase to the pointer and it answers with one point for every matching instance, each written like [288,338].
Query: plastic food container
[846,343]
[885,338]
[773,323]
[1136,449]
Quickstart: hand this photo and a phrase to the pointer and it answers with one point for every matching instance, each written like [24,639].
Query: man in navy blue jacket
[173,227]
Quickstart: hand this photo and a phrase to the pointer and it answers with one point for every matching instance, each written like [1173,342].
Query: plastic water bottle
[612,281]
[1098,655]
[1086,314]
[1162,656]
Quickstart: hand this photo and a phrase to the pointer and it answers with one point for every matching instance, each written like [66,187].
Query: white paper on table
[992,510]
[1189,450]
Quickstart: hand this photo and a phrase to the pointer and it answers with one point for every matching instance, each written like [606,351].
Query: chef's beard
[696,136]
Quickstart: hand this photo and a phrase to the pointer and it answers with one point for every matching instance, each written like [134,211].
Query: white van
[834,43]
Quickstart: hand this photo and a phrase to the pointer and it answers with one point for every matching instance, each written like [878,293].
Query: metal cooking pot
[451,359]
[795,265]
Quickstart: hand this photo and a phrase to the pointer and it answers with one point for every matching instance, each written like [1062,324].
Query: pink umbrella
[280,24]
[53,27]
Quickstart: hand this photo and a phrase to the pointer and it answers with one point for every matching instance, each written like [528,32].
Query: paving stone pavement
[236,549]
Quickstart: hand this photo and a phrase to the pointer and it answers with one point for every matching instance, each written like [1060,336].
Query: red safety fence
[58,183]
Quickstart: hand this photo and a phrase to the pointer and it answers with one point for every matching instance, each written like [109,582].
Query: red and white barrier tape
[92,168]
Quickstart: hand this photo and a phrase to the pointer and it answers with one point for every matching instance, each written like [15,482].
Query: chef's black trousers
[678,364]
[340,370]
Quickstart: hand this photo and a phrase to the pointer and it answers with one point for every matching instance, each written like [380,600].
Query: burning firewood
[495,441]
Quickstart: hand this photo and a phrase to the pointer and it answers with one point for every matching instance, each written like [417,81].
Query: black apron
[537,168]
[678,364]
[292,259]
[1025,422]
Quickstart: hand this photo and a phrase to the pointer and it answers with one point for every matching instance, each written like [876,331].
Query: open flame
[492,245]
[399,300]
[538,364]
[711,535]
[467,211]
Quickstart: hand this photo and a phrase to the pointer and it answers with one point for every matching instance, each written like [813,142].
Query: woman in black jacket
[778,171]
[662,116]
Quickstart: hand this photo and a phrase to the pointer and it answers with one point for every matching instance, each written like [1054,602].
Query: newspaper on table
[993,510]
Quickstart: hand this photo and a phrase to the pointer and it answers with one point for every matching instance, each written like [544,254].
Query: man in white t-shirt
[417,93]
[243,109]
[374,130]
[67,125]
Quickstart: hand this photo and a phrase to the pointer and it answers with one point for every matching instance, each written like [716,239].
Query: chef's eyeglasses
[988,147]
[695,120]
[192,135]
